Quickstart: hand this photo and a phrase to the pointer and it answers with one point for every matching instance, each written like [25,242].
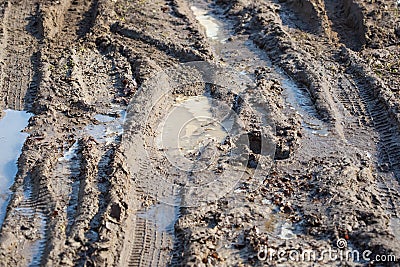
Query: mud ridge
[172,49]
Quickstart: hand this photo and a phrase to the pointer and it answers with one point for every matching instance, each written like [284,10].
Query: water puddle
[188,136]
[190,132]
[279,227]
[11,143]
[286,231]
[108,128]
[211,25]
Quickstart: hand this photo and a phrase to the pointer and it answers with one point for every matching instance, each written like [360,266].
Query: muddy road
[195,133]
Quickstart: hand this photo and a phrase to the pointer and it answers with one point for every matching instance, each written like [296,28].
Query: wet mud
[198,133]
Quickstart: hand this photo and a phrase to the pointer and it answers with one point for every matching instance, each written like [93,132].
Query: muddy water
[189,129]
[11,142]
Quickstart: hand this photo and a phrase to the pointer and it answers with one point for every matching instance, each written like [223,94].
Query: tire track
[20,55]
[89,17]
[356,108]
[152,247]
[152,240]
[66,187]
[29,211]
[36,214]
[389,147]
[44,202]
[357,96]
[69,20]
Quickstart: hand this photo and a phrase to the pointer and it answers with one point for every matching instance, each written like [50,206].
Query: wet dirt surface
[114,171]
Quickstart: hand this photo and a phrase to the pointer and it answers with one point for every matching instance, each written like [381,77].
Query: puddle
[279,227]
[188,135]
[109,127]
[286,231]
[211,25]
[11,143]
[191,132]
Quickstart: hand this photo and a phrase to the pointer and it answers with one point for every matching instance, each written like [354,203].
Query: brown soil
[69,61]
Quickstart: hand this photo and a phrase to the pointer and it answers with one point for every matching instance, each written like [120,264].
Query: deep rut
[347,21]
[151,246]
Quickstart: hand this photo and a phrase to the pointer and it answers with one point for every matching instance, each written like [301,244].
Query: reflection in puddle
[11,143]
